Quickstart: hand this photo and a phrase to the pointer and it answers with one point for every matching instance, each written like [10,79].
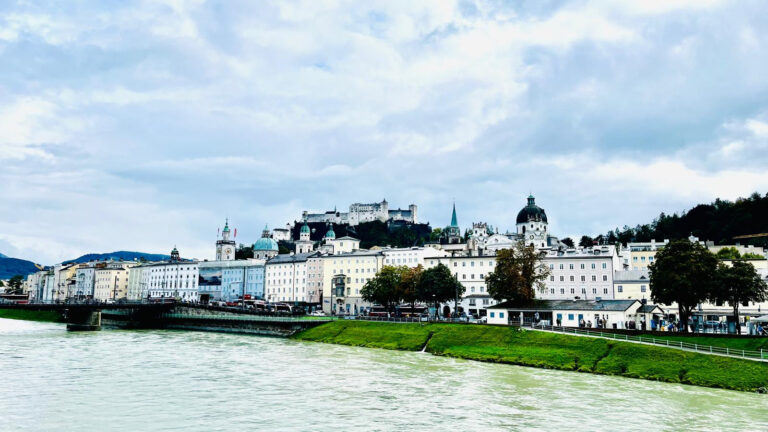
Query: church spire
[454,221]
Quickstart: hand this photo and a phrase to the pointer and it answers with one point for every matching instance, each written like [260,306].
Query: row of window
[620,288]
[582,266]
[583,278]
[583,290]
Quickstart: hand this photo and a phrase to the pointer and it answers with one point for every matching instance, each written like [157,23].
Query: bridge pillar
[83,320]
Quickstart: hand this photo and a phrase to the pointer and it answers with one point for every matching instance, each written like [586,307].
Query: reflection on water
[167,380]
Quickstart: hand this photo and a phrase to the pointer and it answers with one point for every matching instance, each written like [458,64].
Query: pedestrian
[559,323]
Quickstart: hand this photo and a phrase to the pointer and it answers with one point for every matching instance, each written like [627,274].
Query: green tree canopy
[684,273]
[568,242]
[586,241]
[737,284]
[383,288]
[437,285]
[519,272]
[409,284]
[14,285]
[728,253]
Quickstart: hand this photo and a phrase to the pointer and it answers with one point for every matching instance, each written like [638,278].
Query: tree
[14,285]
[435,234]
[519,272]
[568,242]
[752,256]
[383,288]
[409,284]
[437,285]
[738,284]
[586,241]
[684,273]
[2,284]
[243,252]
[728,253]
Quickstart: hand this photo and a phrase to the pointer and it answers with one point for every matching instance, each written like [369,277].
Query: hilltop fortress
[361,213]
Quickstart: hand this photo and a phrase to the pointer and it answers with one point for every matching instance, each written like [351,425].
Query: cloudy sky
[142,125]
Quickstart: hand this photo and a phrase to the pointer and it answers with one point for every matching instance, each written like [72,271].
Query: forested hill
[118,255]
[718,221]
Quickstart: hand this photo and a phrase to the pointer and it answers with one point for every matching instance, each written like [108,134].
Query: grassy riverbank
[31,315]
[546,350]
[735,342]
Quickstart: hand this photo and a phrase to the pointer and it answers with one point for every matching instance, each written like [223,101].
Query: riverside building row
[331,273]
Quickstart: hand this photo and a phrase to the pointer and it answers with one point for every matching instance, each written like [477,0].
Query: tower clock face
[229,250]
[531,237]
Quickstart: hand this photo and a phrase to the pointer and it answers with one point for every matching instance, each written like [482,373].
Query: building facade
[344,275]
[581,274]
[286,278]
[230,281]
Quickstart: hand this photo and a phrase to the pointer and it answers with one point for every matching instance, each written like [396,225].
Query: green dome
[330,234]
[531,212]
[265,244]
[305,228]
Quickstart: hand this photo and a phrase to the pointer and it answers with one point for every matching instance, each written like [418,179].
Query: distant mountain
[3,256]
[119,255]
[10,267]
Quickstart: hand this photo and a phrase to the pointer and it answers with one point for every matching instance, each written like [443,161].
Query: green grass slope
[29,315]
[547,350]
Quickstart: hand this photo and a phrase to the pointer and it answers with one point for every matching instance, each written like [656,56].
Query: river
[116,380]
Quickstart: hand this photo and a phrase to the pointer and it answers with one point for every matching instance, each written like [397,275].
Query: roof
[265,244]
[454,221]
[531,212]
[586,305]
[649,308]
[347,238]
[290,258]
[305,227]
[631,276]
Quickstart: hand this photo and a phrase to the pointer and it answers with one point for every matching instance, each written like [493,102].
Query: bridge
[177,316]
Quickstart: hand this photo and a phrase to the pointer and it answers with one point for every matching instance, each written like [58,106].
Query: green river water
[114,380]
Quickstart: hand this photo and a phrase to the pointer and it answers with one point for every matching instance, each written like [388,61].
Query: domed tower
[265,247]
[532,224]
[304,233]
[175,255]
[330,234]
[225,248]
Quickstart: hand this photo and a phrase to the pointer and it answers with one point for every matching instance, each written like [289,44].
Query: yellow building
[111,283]
[351,271]
[631,284]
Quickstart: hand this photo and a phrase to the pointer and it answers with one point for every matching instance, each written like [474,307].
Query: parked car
[482,320]
[318,313]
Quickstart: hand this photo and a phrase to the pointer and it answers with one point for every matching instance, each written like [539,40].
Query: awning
[763,318]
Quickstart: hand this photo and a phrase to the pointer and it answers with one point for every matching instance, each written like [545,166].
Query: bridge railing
[760,355]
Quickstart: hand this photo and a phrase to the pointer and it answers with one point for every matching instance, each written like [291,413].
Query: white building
[304,244]
[584,274]
[174,279]
[471,271]
[571,313]
[411,257]
[286,278]
[85,277]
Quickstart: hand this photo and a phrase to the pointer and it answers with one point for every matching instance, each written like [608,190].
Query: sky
[142,125]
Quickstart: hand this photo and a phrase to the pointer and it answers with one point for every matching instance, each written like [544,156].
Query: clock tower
[225,248]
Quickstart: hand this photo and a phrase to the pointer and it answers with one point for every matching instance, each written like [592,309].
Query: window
[493,314]
[594,278]
[583,278]
[620,288]
[551,266]
[605,290]
[572,291]
[570,317]
[582,266]
[571,278]
[561,266]
[570,266]
[605,278]
[594,290]
[634,259]
[562,290]
[501,314]
[562,278]
[605,266]
[642,288]
[551,278]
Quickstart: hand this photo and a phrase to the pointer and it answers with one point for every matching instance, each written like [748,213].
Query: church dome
[330,234]
[265,244]
[531,212]
[305,228]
